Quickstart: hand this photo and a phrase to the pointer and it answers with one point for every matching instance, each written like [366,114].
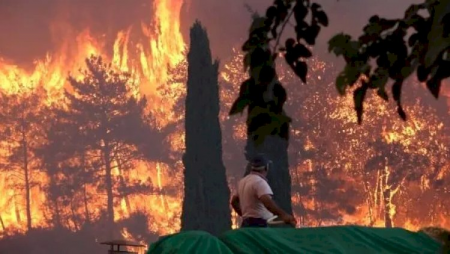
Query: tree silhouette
[204,169]
[22,116]
[64,158]
[110,124]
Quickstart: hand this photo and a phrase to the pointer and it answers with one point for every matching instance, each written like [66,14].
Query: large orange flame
[161,49]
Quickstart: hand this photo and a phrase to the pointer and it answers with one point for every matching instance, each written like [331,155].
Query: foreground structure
[337,239]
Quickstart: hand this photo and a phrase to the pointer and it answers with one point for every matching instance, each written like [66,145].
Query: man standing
[254,197]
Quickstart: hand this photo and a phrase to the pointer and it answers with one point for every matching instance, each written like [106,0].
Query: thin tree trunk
[2,223]
[369,202]
[74,216]
[86,208]
[27,180]
[109,185]
[378,195]
[16,209]
[387,199]
[57,219]
[85,198]
[123,185]
[387,209]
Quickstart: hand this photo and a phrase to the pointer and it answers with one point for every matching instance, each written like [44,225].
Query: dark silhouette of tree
[21,116]
[206,199]
[110,124]
[63,154]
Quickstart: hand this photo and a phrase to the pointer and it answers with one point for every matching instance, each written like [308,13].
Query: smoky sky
[26,34]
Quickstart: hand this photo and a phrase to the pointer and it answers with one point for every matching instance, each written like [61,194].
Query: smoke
[26,25]
[227,21]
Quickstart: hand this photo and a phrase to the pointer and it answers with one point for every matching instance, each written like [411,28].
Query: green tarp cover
[337,239]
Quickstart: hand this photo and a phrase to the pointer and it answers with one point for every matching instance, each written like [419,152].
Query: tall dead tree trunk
[109,185]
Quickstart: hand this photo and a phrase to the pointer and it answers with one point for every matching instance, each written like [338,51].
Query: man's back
[250,189]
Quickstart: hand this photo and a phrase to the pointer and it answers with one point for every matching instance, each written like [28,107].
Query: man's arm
[272,206]
[236,205]
[264,193]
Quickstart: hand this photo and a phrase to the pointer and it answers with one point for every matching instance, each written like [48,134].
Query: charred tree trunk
[16,209]
[109,185]
[123,185]
[86,208]
[27,178]
[85,195]
[206,200]
[74,216]
[387,209]
[387,199]
[57,216]
[2,223]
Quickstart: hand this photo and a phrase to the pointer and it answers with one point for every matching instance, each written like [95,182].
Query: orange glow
[158,68]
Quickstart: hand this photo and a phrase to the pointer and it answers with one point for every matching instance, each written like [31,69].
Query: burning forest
[93,135]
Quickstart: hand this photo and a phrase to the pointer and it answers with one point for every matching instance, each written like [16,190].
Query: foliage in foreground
[398,54]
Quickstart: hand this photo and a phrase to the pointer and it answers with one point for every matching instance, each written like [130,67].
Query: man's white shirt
[250,189]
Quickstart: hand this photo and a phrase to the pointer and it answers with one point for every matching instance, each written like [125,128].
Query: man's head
[260,164]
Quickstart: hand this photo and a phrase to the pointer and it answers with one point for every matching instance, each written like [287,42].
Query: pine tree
[206,200]
[110,126]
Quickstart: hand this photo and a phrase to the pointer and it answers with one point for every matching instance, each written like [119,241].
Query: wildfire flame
[160,50]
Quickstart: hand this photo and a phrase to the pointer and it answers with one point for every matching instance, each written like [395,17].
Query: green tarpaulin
[338,239]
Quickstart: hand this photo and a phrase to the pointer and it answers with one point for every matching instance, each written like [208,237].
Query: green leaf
[352,73]
[289,43]
[422,73]
[397,90]
[382,94]
[239,106]
[358,98]
[322,18]
[300,11]
[392,58]
[379,78]
[434,86]
[341,83]
[437,43]
[373,29]
[401,112]
[310,34]
[413,39]
[412,10]
[271,12]
[318,14]
[302,51]
[349,76]
[257,24]
[301,70]
[247,61]
[338,43]
[406,71]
